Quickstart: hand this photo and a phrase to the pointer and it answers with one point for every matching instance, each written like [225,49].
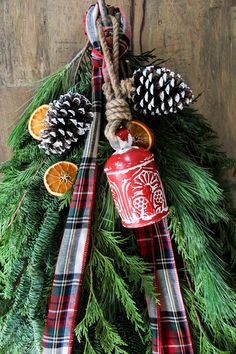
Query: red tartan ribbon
[169,324]
[64,301]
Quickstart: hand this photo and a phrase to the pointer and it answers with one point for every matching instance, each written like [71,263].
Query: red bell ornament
[135,185]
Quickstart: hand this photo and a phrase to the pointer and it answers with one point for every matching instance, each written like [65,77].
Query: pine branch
[136,61]
[50,88]
[31,221]
[24,195]
[192,165]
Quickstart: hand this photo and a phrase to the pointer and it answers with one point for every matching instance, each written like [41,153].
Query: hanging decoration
[159,91]
[108,267]
[67,119]
[135,184]
[132,173]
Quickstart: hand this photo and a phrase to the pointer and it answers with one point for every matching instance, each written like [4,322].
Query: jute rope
[116,91]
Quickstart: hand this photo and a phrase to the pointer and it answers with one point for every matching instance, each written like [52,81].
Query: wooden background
[198,37]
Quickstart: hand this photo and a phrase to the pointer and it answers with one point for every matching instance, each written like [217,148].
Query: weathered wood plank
[198,37]
[12,102]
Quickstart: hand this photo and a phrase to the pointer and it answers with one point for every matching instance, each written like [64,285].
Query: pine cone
[67,119]
[159,91]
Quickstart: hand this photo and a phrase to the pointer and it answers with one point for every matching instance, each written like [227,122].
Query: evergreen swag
[114,319]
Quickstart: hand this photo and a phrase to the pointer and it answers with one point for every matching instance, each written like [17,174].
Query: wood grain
[198,37]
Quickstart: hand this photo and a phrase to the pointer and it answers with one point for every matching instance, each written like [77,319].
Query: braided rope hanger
[117,108]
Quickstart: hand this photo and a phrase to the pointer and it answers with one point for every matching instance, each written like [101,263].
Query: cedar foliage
[202,221]
[199,213]
[114,319]
[31,224]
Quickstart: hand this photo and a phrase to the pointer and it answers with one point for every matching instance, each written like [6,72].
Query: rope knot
[117,112]
[117,108]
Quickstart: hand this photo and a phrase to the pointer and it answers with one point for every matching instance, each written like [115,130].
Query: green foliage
[141,60]
[31,224]
[202,221]
[190,163]
[51,88]
[65,199]
[27,260]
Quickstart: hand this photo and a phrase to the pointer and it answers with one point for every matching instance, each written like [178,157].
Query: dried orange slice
[142,134]
[60,177]
[37,121]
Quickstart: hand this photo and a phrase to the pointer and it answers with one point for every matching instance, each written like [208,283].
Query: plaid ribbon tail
[63,307]
[169,324]
[145,243]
